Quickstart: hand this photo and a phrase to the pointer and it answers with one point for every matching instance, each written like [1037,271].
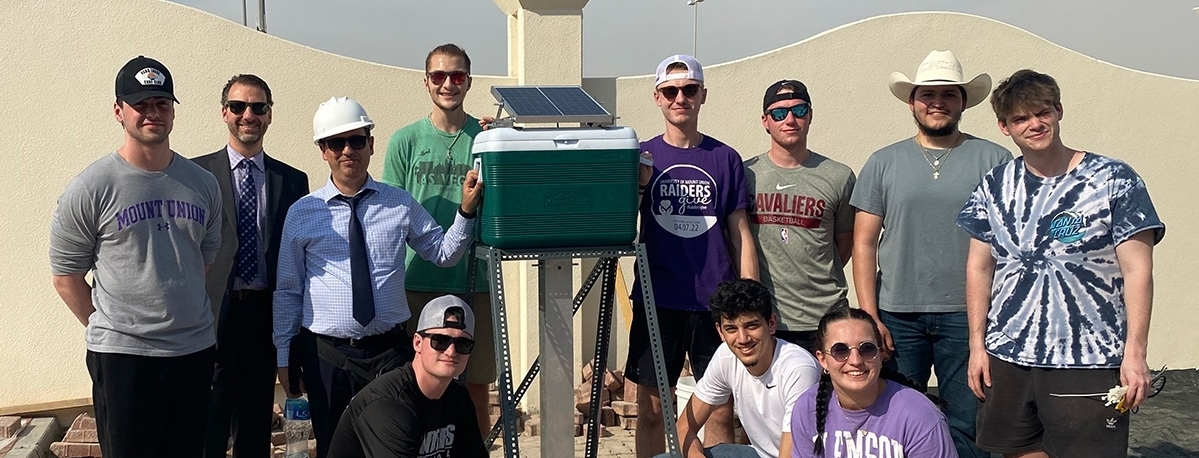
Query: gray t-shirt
[145,237]
[794,216]
[922,254]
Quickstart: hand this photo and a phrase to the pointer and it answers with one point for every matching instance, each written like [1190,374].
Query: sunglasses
[441,343]
[670,92]
[456,77]
[840,352]
[799,111]
[239,107]
[337,144]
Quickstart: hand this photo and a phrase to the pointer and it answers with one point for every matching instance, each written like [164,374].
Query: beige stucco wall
[59,59]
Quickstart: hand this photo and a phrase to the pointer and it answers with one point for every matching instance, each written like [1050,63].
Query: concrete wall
[60,58]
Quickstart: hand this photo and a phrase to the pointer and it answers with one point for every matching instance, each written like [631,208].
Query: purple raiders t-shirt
[683,215]
[902,422]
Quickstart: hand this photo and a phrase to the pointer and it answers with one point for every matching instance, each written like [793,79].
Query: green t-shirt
[431,165]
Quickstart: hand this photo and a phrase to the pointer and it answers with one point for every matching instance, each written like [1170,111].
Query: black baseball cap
[142,78]
[798,91]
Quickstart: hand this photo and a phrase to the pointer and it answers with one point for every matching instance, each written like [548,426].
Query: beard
[948,129]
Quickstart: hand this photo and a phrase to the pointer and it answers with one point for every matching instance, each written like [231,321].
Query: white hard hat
[338,115]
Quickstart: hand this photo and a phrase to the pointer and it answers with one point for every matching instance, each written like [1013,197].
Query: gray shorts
[1020,415]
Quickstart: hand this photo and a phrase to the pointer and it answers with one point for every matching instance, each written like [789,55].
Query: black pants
[330,388]
[151,406]
[243,380]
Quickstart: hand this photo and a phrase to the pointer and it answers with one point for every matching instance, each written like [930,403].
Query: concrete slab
[34,441]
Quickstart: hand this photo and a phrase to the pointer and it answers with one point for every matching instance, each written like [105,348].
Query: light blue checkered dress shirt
[314,286]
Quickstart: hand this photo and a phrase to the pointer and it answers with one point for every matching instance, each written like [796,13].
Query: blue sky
[1158,36]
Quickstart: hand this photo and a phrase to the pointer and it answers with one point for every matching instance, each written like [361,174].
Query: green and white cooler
[559,187]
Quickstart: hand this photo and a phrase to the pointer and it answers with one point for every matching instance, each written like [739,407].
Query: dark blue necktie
[360,272]
[247,223]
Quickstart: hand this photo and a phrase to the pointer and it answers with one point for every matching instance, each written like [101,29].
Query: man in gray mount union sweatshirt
[145,222]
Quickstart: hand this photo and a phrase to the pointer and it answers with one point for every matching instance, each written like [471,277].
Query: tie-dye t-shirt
[1057,299]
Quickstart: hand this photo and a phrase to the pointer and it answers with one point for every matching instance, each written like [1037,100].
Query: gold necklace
[935,162]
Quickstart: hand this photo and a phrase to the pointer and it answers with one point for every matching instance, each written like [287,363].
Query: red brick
[278,438]
[583,398]
[578,430]
[9,426]
[84,421]
[87,436]
[603,431]
[533,426]
[628,423]
[588,371]
[75,450]
[612,382]
[607,416]
[630,392]
[625,408]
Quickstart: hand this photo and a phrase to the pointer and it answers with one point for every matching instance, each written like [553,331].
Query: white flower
[1116,396]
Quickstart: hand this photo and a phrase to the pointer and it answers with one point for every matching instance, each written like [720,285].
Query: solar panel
[551,104]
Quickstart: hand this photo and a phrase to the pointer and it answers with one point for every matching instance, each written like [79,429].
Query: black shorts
[1021,414]
[683,334]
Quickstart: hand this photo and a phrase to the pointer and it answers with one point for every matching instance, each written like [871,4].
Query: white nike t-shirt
[762,403]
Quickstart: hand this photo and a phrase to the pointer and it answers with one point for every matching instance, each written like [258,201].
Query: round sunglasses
[840,351]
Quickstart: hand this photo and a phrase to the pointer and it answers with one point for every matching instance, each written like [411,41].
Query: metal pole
[694,25]
[245,20]
[262,16]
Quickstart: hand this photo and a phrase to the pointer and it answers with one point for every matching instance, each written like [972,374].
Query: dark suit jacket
[284,186]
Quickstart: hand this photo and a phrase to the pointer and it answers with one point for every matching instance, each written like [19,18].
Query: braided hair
[824,388]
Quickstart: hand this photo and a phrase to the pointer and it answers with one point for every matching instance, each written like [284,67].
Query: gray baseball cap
[447,312]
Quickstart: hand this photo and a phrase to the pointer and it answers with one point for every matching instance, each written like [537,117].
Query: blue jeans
[940,341]
[725,451]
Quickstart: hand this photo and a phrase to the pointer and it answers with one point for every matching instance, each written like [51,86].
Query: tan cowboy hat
[941,68]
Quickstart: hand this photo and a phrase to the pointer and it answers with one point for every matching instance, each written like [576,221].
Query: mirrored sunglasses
[799,111]
[670,92]
[337,144]
[438,77]
[441,343]
[239,107]
[840,351]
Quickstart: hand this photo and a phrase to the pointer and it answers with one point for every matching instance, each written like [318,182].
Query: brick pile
[81,440]
[495,411]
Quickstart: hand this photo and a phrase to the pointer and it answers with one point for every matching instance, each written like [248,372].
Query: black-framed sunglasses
[840,351]
[239,107]
[670,92]
[799,111]
[441,343]
[337,144]
[458,78]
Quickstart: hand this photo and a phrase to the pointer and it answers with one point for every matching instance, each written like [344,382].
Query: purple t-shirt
[683,215]
[901,422]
